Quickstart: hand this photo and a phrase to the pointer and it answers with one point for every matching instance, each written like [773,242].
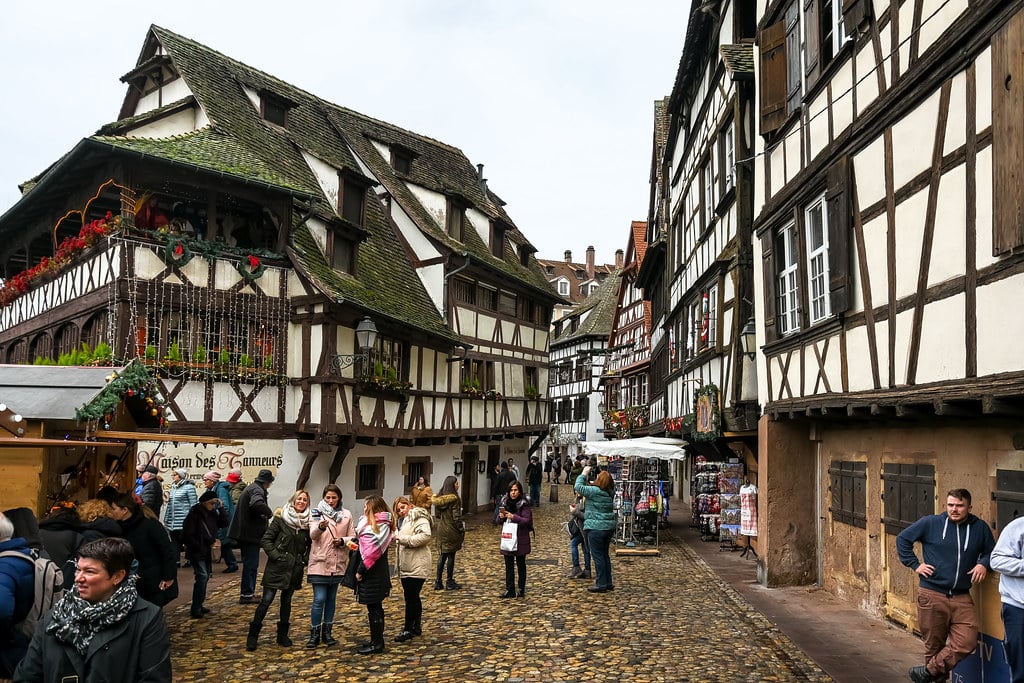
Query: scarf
[334,514]
[293,518]
[77,621]
[373,546]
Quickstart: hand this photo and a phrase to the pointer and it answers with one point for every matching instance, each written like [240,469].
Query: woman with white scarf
[373,578]
[330,529]
[286,544]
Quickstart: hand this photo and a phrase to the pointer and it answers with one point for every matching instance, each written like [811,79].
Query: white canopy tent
[643,447]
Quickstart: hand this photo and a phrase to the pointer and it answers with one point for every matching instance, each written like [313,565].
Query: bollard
[554,493]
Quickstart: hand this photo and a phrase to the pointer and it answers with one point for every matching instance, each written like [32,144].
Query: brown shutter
[812,52]
[855,12]
[772,42]
[1008,137]
[768,271]
[794,71]
[837,199]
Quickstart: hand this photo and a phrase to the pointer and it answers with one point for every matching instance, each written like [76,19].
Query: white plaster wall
[956,125]
[913,140]
[901,356]
[318,228]
[191,399]
[481,223]
[938,16]
[818,123]
[794,151]
[983,197]
[1000,327]
[777,163]
[171,92]
[180,122]
[983,91]
[253,96]
[950,244]
[943,341]
[909,236]
[434,202]
[833,364]
[326,175]
[875,250]
[867,79]
[842,97]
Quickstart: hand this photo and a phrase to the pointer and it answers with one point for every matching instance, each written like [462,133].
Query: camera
[315,513]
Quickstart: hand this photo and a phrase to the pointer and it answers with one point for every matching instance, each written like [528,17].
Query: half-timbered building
[576,281]
[701,209]
[346,297]
[579,350]
[625,376]
[889,233]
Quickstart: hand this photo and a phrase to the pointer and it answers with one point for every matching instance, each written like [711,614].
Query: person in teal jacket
[599,522]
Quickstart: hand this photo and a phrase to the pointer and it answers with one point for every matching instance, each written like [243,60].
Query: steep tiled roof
[638,229]
[738,60]
[600,307]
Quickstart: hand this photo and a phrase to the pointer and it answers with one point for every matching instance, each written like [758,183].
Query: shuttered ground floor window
[848,486]
[1009,496]
[908,494]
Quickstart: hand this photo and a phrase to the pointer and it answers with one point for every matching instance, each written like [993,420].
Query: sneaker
[248,600]
[576,573]
[920,674]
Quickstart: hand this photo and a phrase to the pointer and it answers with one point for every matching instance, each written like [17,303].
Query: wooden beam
[29,442]
[175,438]
[945,408]
[992,405]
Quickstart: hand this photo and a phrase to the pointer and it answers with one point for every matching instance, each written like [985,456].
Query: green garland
[250,268]
[130,381]
[176,251]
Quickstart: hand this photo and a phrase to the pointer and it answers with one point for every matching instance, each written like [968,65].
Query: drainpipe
[444,294]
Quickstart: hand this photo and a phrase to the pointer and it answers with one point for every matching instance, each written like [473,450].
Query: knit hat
[265,477]
[6,528]
[182,472]
[234,476]
[212,476]
[209,495]
[151,469]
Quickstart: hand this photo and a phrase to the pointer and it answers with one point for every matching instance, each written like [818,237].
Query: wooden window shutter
[1008,137]
[837,198]
[794,72]
[855,12]
[812,31]
[772,42]
[768,271]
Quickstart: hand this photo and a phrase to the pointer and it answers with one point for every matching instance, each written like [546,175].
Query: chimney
[590,263]
[480,180]
[568,256]
[618,258]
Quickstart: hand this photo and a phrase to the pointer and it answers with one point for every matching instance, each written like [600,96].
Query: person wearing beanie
[198,533]
[180,499]
[152,493]
[252,515]
[223,490]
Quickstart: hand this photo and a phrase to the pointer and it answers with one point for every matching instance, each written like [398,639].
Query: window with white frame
[709,193]
[816,226]
[563,287]
[787,285]
[728,158]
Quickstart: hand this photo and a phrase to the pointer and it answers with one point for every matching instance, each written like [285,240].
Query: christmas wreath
[176,252]
[250,268]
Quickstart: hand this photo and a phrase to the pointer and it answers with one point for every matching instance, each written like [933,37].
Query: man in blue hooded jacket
[955,546]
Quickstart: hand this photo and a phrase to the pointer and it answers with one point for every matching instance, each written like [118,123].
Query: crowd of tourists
[118,558]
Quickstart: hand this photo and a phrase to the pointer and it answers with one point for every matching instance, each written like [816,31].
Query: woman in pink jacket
[330,528]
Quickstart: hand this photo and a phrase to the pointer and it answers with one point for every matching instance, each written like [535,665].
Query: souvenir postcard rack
[640,503]
[715,492]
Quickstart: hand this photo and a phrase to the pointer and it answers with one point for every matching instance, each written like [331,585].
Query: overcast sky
[554,97]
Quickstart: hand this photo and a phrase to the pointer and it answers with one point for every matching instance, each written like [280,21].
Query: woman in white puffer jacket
[415,562]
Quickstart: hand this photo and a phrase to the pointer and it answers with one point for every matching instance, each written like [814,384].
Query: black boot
[282,634]
[438,586]
[452,586]
[325,636]
[406,633]
[314,637]
[416,629]
[376,643]
[254,635]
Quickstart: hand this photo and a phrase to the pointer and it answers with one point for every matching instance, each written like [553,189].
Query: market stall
[642,487]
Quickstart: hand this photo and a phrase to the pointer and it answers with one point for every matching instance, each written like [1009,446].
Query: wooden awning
[175,438]
[53,443]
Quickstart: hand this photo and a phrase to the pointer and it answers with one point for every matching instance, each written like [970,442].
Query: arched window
[42,347]
[66,340]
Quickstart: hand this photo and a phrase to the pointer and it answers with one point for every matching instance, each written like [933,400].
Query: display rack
[640,504]
[730,478]
[704,496]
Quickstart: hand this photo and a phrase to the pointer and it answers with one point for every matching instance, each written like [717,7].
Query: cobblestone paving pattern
[669,619]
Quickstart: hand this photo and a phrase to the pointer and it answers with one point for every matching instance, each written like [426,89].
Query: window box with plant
[386,380]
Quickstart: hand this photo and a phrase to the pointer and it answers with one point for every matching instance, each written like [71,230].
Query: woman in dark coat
[286,544]
[153,550]
[61,534]
[516,509]
[450,531]
[100,630]
[374,532]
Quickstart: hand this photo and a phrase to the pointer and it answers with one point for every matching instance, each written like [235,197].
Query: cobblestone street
[670,618]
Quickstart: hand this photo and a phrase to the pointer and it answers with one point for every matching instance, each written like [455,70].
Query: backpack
[47,589]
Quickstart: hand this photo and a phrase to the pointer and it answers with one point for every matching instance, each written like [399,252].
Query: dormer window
[497,239]
[274,108]
[524,255]
[343,252]
[352,198]
[455,219]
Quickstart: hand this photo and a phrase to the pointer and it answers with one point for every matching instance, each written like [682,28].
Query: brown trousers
[942,616]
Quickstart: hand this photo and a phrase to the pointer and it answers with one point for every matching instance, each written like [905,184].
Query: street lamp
[366,337]
[748,338]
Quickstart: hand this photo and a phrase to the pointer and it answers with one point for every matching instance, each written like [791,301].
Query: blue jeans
[1013,641]
[227,551]
[250,553]
[202,568]
[535,494]
[325,597]
[600,540]
[574,545]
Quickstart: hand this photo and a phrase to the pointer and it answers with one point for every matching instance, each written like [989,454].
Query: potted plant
[200,355]
[150,352]
[173,353]
[531,392]
[224,358]
[102,354]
